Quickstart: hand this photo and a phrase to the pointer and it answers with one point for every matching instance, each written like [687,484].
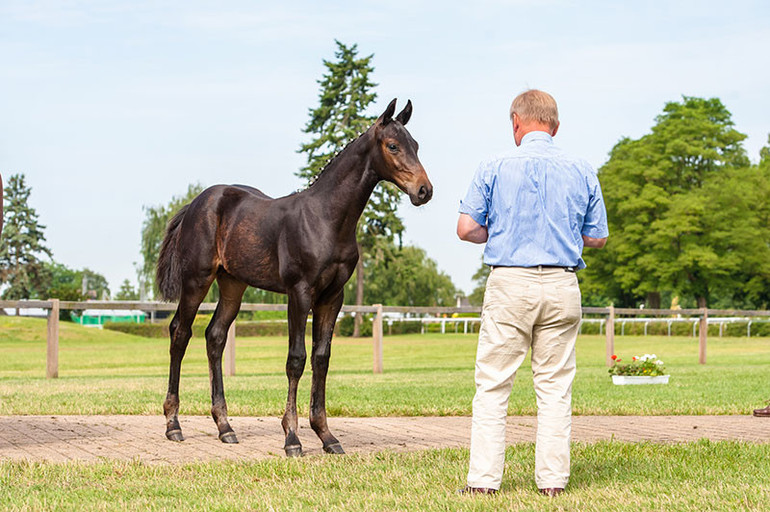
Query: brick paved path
[88,438]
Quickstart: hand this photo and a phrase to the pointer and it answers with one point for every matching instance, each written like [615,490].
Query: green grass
[110,372]
[104,372]
[614,476]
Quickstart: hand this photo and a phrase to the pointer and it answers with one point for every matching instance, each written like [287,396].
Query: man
[536,209]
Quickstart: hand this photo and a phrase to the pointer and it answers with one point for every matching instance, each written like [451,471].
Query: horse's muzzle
[422,195]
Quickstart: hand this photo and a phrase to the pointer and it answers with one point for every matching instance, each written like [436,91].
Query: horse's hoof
[228,438]
[335,448]
[293,451]
[175,435]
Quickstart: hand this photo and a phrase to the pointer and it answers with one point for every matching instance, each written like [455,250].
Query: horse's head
[395,153]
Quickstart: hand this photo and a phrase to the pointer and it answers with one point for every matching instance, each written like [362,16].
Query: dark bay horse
[303,245]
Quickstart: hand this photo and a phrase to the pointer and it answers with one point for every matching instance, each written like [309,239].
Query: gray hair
[535,105]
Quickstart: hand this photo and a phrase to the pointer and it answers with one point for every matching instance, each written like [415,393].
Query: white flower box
[622,380]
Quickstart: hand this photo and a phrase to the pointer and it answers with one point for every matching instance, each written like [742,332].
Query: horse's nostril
[422,192]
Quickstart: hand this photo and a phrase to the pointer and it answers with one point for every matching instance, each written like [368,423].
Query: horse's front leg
[324,318]
[299,305]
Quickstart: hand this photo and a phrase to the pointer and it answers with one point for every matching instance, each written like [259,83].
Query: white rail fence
[700,319]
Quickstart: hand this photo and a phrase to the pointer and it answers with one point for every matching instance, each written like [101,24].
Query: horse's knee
[216,332]
[295,365]
[216,338]
[321,361]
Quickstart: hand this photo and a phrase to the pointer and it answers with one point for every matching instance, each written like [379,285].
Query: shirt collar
[536,135]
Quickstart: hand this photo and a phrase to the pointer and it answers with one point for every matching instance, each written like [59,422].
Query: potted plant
[647,369]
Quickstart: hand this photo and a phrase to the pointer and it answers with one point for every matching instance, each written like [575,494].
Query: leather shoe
[477,490]
[762,413]
[551,491]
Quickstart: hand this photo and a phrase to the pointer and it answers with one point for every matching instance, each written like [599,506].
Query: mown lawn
[108,372]
[606,476]
[104,372]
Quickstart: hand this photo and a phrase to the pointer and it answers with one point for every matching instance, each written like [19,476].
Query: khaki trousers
[525,308]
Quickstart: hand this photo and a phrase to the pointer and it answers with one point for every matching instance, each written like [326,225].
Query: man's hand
[596,243]
[470,230]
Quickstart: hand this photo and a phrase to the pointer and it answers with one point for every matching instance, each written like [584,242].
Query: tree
[127,291]
[23,245]
[154,230]
[65,283]
[745,195]
[406,276]
[346,92]
[665,235]
[74,285]
[476,298]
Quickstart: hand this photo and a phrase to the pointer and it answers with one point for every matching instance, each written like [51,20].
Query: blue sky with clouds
[107,107]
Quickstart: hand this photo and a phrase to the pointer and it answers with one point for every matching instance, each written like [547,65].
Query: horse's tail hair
[168,274]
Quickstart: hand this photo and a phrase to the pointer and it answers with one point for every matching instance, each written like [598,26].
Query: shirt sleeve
[595,221]
[476,201]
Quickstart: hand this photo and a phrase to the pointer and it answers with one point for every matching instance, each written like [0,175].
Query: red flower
[614,357]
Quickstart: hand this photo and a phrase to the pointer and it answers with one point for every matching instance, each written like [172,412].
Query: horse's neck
[346,184]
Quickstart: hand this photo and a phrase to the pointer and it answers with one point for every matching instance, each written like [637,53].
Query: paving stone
[93,438]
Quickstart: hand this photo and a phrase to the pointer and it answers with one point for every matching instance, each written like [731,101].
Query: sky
[110,107]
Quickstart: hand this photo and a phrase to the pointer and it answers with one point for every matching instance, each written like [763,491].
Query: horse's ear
[404,115]
[387,116]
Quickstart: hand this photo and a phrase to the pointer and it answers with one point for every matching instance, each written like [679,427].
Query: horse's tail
[168,274]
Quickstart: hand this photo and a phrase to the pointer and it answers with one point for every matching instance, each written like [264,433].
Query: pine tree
[22,245]
[346,92]
[127,292]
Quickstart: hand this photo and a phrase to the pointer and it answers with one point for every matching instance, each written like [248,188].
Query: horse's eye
[393,147]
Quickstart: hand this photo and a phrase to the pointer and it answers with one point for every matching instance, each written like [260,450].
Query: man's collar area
[536,135]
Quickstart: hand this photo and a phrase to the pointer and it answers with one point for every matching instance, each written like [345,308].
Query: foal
[303,245]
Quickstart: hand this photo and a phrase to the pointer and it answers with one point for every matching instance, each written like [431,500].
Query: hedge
[660,328]
[344,327]
[246,329]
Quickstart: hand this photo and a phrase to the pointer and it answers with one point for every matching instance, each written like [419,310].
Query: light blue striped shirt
[536,202]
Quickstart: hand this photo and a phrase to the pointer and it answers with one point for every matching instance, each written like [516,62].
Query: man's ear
[553,133]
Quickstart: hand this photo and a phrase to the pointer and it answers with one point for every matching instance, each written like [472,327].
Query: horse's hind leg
[230,294]
[324,318]
[180,331]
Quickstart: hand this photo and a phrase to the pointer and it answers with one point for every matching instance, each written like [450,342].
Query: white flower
[659,362]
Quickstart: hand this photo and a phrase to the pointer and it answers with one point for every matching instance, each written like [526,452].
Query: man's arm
[596,243]
[470,230]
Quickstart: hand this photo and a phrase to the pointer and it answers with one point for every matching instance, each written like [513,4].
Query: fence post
[52,345]
[610,335]
[703,335]
[230,351]
[377,338]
